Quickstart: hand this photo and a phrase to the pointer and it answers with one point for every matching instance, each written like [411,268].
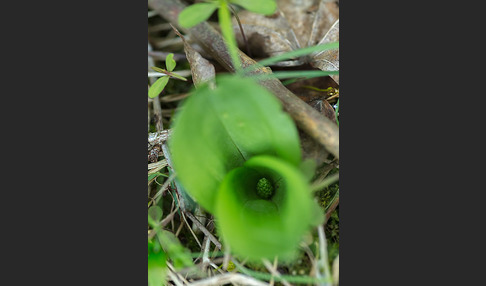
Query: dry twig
[273,269]
[229,278]
[204,230]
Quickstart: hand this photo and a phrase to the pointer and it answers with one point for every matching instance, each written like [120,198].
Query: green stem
[241,30]
[317,186]
[289,278]
[171,74]
[227,32]
[334,198]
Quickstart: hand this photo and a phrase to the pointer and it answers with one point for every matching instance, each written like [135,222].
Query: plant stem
[324,183]
[332,207]
[227,32]
[241,30]
[323,260]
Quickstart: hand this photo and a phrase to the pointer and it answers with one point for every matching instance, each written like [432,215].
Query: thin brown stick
[272,269]
[204,229]
[179,229]
[241,30]
[332,208]
[190,229]
[162,55]
[156,103]
[157,138]
[176,274]
[163,223]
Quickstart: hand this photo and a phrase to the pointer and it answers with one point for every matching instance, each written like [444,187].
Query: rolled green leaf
[195,14]
[219,129]
[263,228]
[238,155]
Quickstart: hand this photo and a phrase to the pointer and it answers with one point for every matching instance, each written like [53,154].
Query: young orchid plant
[238,155]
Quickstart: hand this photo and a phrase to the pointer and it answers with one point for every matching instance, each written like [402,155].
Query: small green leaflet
[199,12]
[169,62]
[158,86]
[265,7]
[195,14]
[155,212]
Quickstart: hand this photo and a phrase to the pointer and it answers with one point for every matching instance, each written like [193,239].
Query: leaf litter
[296,24]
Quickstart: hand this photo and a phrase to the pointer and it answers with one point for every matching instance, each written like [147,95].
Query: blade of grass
[295,75]
[226,26]
[299,53]
[288,278]
[306,74]
[324,183]
[323,259]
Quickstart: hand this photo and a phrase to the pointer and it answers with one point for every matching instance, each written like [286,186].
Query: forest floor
[196,255]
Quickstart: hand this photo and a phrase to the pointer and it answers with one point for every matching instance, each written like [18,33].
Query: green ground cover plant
[157,87]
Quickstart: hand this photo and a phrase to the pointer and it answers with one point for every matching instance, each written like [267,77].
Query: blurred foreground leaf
[218,130]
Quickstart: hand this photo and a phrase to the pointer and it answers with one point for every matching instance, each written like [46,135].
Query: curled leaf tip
[264,188]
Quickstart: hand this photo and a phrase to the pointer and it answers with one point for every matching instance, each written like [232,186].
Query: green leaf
[155,212]
[257,228]
[158,86]
[151,176]
[218,130]
[178,254]
[195,14]
[265,7]
[169,62]
[308,168]
[156,268]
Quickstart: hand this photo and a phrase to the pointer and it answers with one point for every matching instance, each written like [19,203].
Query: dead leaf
[311,149]
[296,24]
[267,35]
[201,69]
[328,60]
[312,92]
[325,108]
[309,19]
